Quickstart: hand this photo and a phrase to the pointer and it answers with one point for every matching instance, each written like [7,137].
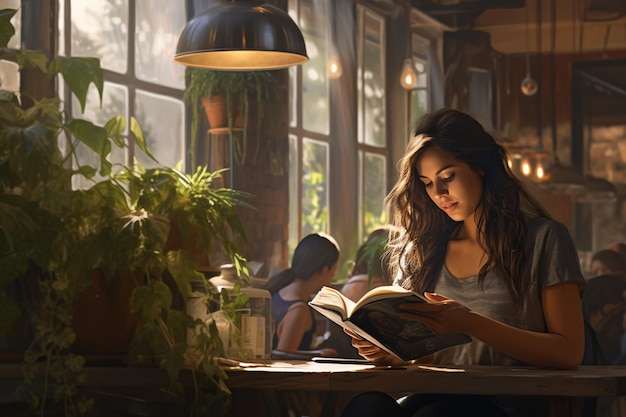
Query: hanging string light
[408,76]
[529,86]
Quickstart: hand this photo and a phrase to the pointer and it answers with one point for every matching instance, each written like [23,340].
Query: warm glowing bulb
[334,67]
[509,162]
[539,171]
[408,77]
[525,168]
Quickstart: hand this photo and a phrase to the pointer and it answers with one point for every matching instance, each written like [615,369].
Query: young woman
[313,265]
[491,260]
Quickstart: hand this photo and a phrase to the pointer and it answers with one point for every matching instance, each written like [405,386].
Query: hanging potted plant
[229,99]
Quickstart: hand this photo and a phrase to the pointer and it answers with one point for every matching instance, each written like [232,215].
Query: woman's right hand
[373,353]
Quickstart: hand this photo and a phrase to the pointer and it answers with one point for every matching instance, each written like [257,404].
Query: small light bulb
[408,77]
[525,167]
[539,172]
[334,66]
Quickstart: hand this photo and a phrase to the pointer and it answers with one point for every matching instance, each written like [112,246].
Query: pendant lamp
[408,76]
[241,35]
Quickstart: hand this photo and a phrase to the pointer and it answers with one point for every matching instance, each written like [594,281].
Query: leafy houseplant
[238,90]
[73,242]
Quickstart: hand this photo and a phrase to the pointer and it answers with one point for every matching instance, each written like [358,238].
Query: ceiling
[517,26]
[579,26]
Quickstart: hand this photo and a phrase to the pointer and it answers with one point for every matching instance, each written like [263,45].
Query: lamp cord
[553,73]
[409,46]
[527,41]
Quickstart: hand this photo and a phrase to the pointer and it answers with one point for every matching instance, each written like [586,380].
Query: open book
[376,318]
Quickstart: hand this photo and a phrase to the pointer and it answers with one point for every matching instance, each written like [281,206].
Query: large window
[135,42]
[371,114]
[310,124]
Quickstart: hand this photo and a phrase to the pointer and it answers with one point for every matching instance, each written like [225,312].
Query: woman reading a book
[492,262]
[313,265]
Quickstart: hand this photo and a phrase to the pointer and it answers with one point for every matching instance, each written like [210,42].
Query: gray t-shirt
[551,259]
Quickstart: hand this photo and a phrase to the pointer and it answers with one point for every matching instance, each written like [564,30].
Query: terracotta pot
[102,319]
[217,113]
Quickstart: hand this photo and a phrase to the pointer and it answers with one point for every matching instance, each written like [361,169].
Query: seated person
[607,262]
[371,266]
[313,265]
[604,308]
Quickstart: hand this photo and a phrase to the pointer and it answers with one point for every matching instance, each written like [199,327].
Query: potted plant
[232,96]
[66,244]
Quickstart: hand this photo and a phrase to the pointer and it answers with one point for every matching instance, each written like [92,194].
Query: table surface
[321,389]
[593,381]
[596,381]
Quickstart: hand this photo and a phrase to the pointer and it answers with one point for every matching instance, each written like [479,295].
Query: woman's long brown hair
[419,250]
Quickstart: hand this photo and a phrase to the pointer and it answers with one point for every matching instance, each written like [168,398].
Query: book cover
[376,318]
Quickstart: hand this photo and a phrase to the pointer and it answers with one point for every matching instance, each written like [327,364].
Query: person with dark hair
[607,262]
[490,259]
[371,265]
[619,247]
[313,265]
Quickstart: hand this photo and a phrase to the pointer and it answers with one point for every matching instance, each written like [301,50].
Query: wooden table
[321,390]
[313,389]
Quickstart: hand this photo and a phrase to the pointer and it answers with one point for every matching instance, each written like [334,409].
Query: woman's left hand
[442,315]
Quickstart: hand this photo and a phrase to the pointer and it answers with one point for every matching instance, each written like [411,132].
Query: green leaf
[115,128]
[149,300]
[95,138]
[6,27]
[78,73]
[140,141]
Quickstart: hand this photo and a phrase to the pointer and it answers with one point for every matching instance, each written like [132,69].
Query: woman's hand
[373,353]
[442,315]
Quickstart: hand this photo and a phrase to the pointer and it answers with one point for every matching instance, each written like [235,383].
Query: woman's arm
[292,327]
[561,347]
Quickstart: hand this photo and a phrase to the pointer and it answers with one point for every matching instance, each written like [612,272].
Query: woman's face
[452,185]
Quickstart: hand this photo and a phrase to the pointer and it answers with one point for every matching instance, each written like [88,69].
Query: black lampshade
[241,35]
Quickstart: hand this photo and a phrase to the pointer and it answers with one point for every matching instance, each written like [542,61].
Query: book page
[333,299]
[387,291]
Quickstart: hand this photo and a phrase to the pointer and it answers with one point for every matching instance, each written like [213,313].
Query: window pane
[9,76]
[371,83]
[161,119]
[100,29]
[293,97]
[419,105]
[374,180]
[314,187]
[159,23]
[114,102]
[314,24]
[294,187]
[16,21]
